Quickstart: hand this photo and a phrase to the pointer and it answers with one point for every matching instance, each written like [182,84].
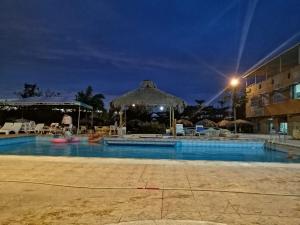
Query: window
[283,127]
[279,97]
[255,101]
[296,91]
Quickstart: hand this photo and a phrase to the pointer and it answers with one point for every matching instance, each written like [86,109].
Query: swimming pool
[247,151]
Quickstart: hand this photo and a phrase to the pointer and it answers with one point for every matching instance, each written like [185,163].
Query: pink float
[75,139]
[59,140]
[65,140]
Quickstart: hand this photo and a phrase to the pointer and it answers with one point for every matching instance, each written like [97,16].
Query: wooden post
[174,127]
[92,118]
[78,122]
[125,117]
[121,119]
[170,118]
[173,122]
[298,54]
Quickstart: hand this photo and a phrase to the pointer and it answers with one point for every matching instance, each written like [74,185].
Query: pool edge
[148,161]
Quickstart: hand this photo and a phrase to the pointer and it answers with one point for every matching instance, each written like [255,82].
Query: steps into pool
[156,142]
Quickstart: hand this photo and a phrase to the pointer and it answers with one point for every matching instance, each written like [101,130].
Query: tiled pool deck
[60,190]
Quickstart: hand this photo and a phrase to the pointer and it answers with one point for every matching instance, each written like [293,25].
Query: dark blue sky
[186,47]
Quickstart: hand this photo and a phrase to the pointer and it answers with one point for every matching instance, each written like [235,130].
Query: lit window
[296,91]
[283,127]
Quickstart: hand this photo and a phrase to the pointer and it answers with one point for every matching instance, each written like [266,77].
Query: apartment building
[273,93]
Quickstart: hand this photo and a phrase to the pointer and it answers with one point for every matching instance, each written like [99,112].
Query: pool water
[216,152]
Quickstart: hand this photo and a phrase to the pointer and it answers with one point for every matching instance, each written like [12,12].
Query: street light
[234,82]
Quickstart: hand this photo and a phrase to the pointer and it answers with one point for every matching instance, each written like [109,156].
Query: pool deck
[61,190]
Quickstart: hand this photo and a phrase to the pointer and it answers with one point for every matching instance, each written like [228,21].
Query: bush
[140,127]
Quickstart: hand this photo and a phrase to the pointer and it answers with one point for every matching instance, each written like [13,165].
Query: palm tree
[87,97]
[30,90]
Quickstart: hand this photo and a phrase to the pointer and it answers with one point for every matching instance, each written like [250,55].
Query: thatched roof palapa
[239,122]
[207,123]
[149,95]
[243,122]
[224,123]
[185,122]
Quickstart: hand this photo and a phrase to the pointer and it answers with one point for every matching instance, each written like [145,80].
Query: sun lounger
[39,128]
[211,132]
[179,129]
[199,130]
[113,130]
[16,127]
[31,127]
[97,128]
[7,128]
[54,128]
[27,127]
[83,129]
[23,127]
[227,133]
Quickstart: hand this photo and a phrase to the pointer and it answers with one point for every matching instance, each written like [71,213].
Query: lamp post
[234,82]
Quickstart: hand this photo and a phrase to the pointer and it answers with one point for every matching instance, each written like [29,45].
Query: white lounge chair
[113,130]
[31,127]
[83,129]
[7,128]
[28,127]
[179,129]
[227,133]
[54,128]
[16,128]
[39,128]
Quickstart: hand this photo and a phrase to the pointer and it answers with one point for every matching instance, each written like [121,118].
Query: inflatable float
[65,140]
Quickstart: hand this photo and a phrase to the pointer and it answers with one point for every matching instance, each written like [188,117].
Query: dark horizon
[189,49]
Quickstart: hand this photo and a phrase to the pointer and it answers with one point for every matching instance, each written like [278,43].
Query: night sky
[188,47]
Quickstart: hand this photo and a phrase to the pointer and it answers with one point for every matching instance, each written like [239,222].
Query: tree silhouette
[87,97]
[30,90]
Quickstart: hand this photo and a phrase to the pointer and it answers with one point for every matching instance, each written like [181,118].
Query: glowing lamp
[234,82]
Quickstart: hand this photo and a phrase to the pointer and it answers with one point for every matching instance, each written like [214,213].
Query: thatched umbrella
[207,123]
[224,123]
[185,122]
[241,122]
[149,95]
